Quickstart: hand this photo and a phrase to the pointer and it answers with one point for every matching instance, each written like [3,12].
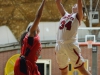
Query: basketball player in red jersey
[67,48]
[30,48]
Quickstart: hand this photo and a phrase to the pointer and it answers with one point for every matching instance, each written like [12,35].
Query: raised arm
[60,7]
[80,10]
[36,20]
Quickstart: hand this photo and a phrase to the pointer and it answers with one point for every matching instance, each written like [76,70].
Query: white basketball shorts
[68,52]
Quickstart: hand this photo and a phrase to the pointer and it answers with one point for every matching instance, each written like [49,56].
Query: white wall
[6,36]
[82,32]
[48,30]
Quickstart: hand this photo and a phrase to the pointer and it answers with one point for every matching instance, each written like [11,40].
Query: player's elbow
[38,16]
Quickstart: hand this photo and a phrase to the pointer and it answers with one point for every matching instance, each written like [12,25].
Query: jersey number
[67,25]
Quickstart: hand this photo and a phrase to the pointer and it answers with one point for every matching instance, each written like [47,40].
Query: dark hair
[22,37]
[28,28]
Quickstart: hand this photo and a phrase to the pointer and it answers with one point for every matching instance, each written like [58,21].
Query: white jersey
[68,26]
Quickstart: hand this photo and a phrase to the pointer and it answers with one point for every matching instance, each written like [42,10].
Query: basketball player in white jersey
[67,48]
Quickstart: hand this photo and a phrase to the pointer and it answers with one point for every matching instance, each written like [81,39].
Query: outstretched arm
[60,7]
[36,20]
[80,10]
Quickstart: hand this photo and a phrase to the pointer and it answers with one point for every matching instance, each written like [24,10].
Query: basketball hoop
[89,43]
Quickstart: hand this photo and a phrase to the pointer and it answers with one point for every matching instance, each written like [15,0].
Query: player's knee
[64,71]
[83,70]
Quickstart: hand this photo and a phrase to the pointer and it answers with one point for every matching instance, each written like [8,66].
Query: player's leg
[83,70]
[64,71]
[63,64]
[62,59]
[74,53]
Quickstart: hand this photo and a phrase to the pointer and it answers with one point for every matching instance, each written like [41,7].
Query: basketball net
[89,43]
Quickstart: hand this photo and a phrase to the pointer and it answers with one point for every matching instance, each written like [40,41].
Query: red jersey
[31,58]
[35,48]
